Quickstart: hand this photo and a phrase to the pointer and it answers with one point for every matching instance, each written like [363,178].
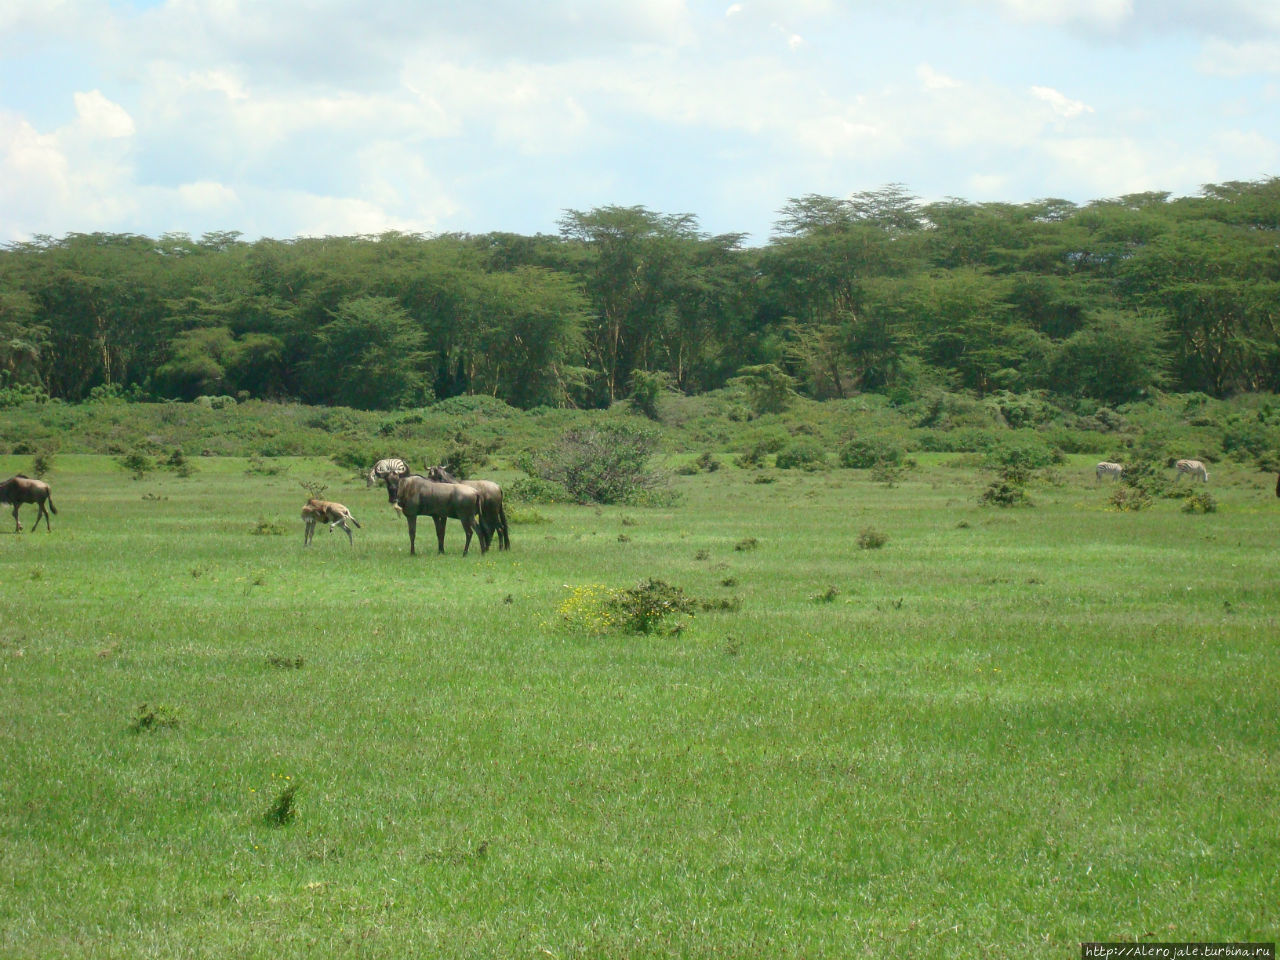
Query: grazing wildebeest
[493,519]
[326,511]
[21,489]
[384,467]
[417,496]
[1108,469]
[1193,468]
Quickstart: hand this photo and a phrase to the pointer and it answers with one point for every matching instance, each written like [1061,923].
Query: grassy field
[1000,734]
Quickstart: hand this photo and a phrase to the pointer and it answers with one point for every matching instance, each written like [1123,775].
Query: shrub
[153,718]
[871,539]
[463,455]
[215,403]
[606,464]
[803,455]
[137,463]
[41,464]
[537,490]
[282,811]
[267,528]
[1005,491]
[1203,502]
[862,453]
[645,607]
[15,395]
[1148,477]
[1129,499]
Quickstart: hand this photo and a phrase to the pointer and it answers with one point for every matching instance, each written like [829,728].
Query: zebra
[1193,467]
[1108,469]
[383,468]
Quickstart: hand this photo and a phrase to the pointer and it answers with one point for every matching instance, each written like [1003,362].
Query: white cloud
[1062,105]
[99,117]
[931,79]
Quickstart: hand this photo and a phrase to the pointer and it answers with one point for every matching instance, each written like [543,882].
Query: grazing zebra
[1193,467]
[21,489]
[383,468]
[326,511]
[1108,469]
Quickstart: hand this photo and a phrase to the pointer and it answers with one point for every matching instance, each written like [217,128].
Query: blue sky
[286,118]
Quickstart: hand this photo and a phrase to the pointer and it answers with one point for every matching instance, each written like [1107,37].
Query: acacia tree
[371,356]
[634,267]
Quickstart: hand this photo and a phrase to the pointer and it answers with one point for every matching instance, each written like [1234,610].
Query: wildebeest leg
[17,528]
[440,522]
[343,523]
[308,529]
[413,530]
[43,513]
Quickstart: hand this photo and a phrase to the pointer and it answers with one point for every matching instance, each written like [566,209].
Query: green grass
[1006,732]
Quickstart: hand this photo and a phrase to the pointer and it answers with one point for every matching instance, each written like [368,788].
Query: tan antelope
[21,489]
[326,511]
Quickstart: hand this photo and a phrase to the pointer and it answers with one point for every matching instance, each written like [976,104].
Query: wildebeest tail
[353,520]
[52,508]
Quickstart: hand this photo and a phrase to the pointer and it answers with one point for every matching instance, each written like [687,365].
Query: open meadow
[998,733]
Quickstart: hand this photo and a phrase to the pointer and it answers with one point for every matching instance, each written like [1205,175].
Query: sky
[290,118]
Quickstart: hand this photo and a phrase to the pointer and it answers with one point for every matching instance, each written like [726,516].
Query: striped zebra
[1194,468]
[384,468]
[1108,469]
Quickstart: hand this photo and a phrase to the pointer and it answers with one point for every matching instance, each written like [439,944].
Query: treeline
[873,293]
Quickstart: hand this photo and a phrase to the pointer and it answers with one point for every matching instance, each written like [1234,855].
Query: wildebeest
[21,489]
[417,496]
[493,519]
[1193,468]
[384,467]
[326,511]
[1108,469]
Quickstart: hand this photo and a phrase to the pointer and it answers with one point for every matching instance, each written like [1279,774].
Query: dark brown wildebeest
[325,511]
[21,489]
[493,519]
[416,496]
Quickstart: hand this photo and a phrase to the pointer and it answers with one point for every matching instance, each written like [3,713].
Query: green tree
[371,356]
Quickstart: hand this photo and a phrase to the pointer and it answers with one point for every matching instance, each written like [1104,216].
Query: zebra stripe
[385,467]
[1108,469]
[1193,467]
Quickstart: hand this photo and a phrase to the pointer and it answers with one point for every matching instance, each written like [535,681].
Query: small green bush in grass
[137,463]
[803,455]
[872,539]
[863,453]
[1129,499]
[538,490]
[1203,502]
[154,717]
[282,811]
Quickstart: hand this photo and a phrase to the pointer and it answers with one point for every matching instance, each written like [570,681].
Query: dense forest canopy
[877,292]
